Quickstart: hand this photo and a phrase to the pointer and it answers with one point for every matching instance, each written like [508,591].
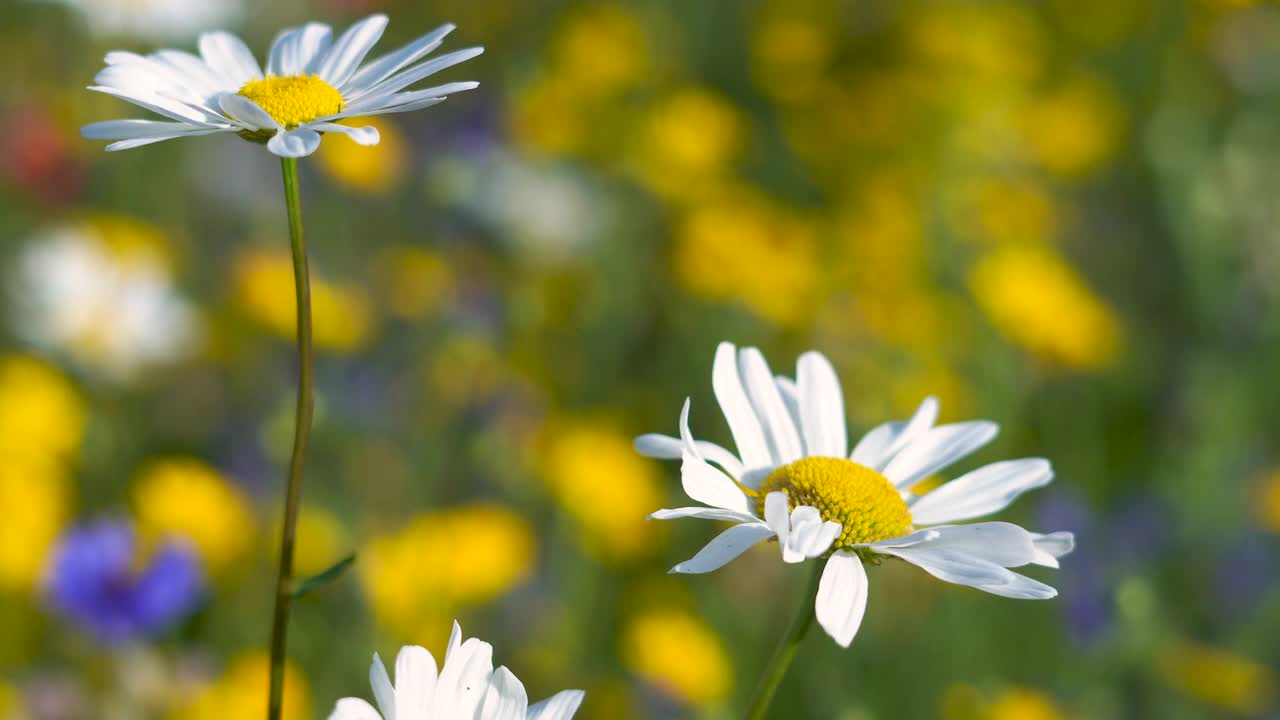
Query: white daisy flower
[310,82]
[465,688]
[794,479]
[156,18]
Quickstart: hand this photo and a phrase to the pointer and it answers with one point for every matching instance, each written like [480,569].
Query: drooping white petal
[367,135]
[842,597]
[748,436]
[349,49]
[1002,543]
[139,142]
[777,515]
[810,539]
[464,680]
[415,682]
[506,698]
[1052,546]
[665,447]
[711,487]
[354,709]
[987,490]
[779,430]
[294,143]
[239,107]
[952,566]
[725,547]
[878,447]
[821,406]
[1021,587]
[384,693]
[936,449]
[560,706]
[704,513]
[228,56]
[385,66]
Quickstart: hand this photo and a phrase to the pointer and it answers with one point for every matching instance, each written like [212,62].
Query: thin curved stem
[787,647]
[301,436]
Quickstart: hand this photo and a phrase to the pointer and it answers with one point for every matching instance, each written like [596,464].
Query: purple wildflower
[98,581]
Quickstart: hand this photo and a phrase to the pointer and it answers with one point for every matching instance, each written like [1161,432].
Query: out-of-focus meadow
[1060,215]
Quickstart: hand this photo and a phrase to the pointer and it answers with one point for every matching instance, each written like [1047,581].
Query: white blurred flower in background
[102,293]
[156,19]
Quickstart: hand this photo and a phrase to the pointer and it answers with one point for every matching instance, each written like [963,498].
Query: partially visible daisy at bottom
[466,687]
[795,480]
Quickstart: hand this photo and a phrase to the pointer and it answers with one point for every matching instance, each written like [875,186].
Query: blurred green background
[1060,215]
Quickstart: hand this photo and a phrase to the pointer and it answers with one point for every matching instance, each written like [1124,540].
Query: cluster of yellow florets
[295,100]
[863,501]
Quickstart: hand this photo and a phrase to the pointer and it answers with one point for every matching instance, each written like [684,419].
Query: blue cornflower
[99,580]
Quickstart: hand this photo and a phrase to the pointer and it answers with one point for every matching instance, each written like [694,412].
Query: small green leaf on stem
[308,585]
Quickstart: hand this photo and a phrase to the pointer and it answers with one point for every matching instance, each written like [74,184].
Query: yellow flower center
[863,501]
[294,100]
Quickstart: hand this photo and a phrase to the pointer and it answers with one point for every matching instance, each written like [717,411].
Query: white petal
[382,103]
[1004,544]
[813,539]
[711,487]
[354,709]
[134,129]
[987,490]
[936,449]
[383,691]
[560,706]
[294,143]
[748,436]
[665,447]
[349,49]
[777,515]
[725,547]
[402,108]
[762,390]
[506,698]
[168,107]
[139,142]
[385,66]
[842,597]
[295,49]
[405,78]
[228,56]
[367,135]
[791,398]
[952,566]
[247,111]
[1021,587]
[455,642]
[704,513]
[821,406]
[415,682]
[464,680]
[878,447]
[1052,546]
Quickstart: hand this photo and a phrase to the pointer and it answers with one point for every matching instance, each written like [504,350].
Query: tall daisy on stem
[311,81]
[795,481]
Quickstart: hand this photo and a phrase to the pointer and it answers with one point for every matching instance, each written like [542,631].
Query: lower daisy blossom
[795,480]
[464,686]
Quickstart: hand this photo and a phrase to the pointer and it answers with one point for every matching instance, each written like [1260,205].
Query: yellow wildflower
[1074,129]
[743,247]
[1220,678]
[676,651]
[414,282]
[38,495]
[690,138]
[1267,505]
[367,169]
[41,413]
[242,693]
[342,316]
[186,498]
[1023,704]
[593,472]
[1035,299]
[322,541]
[443,560]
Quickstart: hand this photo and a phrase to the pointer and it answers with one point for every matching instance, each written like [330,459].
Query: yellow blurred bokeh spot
[365,169]
[1220,678]
[677,652]
[341,313]
[242,693]
[185,498]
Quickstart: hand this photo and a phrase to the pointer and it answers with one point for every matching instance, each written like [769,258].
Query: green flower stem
[787,647]
[301,435]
